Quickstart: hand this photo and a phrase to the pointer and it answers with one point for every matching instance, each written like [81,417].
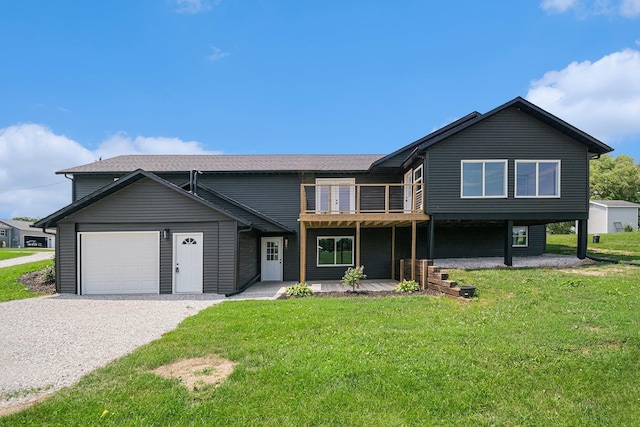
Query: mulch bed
[35,283]
[364,294]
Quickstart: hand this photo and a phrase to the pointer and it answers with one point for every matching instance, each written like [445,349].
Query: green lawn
[8,253]
[536,347]
[10,288]
[619,246]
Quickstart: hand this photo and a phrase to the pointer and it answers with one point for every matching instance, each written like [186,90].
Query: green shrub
[49,274]
[567,227]
[299,290]
[407,286]
[628,228]
[352,277]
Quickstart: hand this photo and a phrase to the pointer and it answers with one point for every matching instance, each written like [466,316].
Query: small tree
[352,277]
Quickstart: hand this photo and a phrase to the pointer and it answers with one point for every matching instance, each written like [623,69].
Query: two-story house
[484,185]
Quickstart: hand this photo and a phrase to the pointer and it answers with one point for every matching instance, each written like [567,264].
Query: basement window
[335,251]
[520,237]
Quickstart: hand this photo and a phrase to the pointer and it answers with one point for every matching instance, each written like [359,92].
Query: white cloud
[583,8]
[31,153]
[630,8]
[558,6]
[216,54]
[192,7]
[602,97]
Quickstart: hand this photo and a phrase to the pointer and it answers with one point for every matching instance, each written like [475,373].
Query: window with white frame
[335,195]
[335,251]
[520,237]
[483,178]
[537,178]
[2,232]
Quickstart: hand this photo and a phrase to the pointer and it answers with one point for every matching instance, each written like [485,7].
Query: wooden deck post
[424,274]
[583,240]
[303,251]
[393,251]
[358,244]
[413,249]
[401,272]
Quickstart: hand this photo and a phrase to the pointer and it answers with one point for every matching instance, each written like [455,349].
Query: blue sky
[83,80]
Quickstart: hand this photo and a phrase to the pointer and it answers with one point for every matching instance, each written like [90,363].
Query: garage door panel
[120,263]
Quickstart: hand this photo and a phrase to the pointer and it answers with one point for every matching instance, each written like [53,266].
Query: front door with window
[271,269]
[188,262]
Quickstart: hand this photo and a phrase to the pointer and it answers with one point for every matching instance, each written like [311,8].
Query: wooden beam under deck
[365,220]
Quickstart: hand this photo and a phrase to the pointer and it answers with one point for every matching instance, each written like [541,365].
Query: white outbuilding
[612,216]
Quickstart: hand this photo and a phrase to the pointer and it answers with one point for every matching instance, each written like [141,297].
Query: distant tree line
[610,178]
[615,178]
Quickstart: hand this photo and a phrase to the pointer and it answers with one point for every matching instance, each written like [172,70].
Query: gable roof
[52,220]
[594,145]
[615,203]
[407,151]
[230,163]
[14,223]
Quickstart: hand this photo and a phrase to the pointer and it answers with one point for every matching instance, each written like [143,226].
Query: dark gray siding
[274,195]
[291,258]
[66,258]
[226,258]
[149,206]
[248,261]
[510,134]
[470,240]
[85,184]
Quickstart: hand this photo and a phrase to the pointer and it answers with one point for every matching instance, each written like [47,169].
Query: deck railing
[341,198]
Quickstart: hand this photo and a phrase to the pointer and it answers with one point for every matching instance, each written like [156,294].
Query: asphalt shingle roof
[230,163]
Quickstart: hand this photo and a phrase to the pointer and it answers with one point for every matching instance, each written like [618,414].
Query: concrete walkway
[37,256]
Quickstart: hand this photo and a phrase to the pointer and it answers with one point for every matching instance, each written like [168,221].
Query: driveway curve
[50,342]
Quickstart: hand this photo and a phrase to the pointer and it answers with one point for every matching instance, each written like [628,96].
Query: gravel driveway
[50,342]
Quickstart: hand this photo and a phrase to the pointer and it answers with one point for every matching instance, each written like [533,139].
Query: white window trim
[335,238]
[483,162]
[537,163]
[526,236]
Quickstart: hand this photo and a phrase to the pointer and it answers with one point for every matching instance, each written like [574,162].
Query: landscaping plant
[407,286]
[299,290]
[352,277]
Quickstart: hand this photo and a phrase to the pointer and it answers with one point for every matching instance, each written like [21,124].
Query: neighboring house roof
[230,163]
[20,225]
[52,220]
[595,146]
[615,203]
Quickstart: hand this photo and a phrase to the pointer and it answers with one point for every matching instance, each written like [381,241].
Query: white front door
[408,191]
[187,265]
[271,259]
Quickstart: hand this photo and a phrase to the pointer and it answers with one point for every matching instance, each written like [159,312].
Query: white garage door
[120,263]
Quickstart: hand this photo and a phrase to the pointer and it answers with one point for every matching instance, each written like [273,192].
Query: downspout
[252,281]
